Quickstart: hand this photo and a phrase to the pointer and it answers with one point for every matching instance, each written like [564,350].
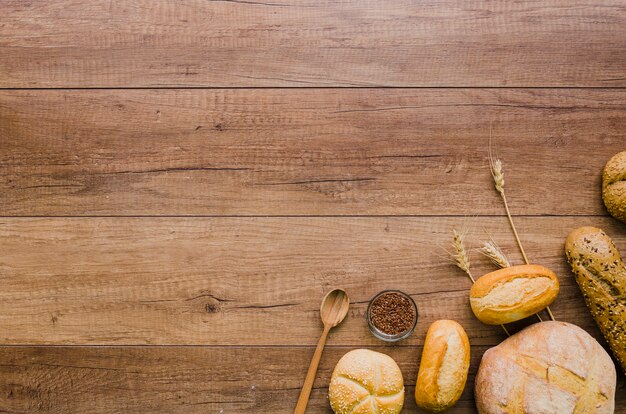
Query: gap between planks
[147,88]
[314,216]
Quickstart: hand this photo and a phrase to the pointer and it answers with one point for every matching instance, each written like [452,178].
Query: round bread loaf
[513,293]
[366,382]
[549,367]
[443,368]
[614,186]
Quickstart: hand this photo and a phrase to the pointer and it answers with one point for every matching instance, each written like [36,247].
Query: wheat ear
[462,261]
[498,178]
[492,251]
[459,254]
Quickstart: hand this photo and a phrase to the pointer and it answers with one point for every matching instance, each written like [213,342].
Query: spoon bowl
[334,307]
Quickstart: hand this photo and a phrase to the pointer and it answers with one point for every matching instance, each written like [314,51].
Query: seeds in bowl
[392,315]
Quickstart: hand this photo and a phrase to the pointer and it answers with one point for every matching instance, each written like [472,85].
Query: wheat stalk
[498,178]
[462,261]
[497,173]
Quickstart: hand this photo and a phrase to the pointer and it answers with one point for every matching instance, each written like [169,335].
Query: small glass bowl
[385,336]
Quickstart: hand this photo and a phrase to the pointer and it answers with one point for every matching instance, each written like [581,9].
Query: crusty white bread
[614,186]
[366,382]
[549,367]
[513,293]
[601,277]
[443,368]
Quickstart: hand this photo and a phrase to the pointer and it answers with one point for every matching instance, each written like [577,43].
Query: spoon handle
[310,376]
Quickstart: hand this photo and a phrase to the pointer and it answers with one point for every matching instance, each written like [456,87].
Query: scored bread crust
[444,366]
[549,367]
[614,186]
[366,382]
[601,277]
[513,293]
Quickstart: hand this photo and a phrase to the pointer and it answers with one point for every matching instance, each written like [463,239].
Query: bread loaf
[549,367]
[614,186]
[366,382]
[513,293]
[443,368]
[601,276]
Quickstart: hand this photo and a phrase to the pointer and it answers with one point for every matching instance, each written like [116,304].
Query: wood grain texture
[121,304]
[188,379]
[305,152]
[312,43]
[229,281]
[177,380]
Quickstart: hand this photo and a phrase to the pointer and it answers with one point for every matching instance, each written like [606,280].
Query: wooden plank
[304,152]
[174,379]
[231,281]
[187,379]
[71,43]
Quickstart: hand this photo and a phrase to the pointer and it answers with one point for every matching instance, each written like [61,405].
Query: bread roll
[443,368]
[366,382]
[513,293]
[614,186]
[549,367]
[601,276]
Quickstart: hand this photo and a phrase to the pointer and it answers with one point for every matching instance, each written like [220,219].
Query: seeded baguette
[601,277]
[513,293]
[614,186]
[443,368]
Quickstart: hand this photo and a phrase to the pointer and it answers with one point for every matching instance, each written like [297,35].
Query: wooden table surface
[182,181]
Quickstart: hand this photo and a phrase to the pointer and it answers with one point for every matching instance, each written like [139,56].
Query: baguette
[614,186]
[513,293]
[601,277]
[443,368]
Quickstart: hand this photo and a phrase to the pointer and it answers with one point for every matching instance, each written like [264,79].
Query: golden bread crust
[513,293]
[443,367]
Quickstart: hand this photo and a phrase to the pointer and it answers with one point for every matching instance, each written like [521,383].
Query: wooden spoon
[333,310]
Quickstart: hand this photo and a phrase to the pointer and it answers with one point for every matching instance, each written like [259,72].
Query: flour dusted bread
[601,277]
[443,368]
[549,367]
[513,293]
[366,382]
[614,186]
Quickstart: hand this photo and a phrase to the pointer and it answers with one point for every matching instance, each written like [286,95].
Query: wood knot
[212,306]
[208,302]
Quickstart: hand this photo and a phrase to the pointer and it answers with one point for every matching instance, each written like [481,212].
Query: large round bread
[614,186]
[549,367]
[366,382]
